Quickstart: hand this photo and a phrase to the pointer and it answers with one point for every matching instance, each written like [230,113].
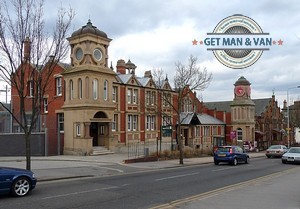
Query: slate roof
[124,78]
[260,105]
[199,119]
[144,81]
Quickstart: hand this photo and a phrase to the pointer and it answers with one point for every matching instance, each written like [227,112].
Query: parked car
[230,154]
[291,156]
[15,181]
[276,151]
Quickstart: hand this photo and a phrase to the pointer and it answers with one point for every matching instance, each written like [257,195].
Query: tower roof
[89,28]
[242,81]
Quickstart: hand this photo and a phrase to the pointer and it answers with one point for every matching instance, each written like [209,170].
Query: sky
[158,33]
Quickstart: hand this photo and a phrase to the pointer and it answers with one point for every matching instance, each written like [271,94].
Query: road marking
[212,193]
[114,169]
[77,193]
[178,176]
[223,169]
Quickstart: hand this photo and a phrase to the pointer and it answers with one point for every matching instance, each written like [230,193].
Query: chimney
[148,74]
[121,67]
[27,49]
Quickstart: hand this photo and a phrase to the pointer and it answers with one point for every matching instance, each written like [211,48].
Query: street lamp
[288,113]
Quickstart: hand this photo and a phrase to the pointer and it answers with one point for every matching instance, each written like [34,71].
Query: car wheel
[234,162]
[20,187]
[247,161]
[283,161]
[216,162]
[269,156]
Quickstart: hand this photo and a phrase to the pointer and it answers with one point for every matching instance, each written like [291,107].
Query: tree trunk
[28,152]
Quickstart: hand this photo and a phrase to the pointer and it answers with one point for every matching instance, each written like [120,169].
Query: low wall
[13,144]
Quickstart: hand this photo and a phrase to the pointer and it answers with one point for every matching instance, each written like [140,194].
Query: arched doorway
[99,129]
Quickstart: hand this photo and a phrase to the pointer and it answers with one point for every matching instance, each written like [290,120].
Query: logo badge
[237,41]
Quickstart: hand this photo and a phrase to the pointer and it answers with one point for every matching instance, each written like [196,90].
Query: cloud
[156,34]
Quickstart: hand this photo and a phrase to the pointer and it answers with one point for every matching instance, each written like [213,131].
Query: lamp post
[288,113]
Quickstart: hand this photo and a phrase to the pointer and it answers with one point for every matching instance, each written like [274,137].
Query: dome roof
[89,28]
[242,81]
[130,65]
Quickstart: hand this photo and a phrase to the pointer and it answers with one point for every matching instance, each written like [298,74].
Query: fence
[145,148]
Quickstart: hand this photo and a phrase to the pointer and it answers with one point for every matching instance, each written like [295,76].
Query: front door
[94,133]
[186,136]
[101,135]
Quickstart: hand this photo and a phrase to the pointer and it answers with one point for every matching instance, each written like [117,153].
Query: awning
[260,132]
[277,130]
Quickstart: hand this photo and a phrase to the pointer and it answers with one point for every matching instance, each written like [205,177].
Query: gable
[166,85]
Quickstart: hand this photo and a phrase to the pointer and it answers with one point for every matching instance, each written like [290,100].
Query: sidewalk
[66,166]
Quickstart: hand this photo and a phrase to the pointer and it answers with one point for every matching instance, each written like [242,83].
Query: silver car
[276,151]
[291,156]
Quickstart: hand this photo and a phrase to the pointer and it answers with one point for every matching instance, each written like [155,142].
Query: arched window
[105,90]
[79,88]
[71,90]
[239,134]
[95,89]
[87,87]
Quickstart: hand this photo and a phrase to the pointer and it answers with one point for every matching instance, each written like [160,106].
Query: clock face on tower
[239,91]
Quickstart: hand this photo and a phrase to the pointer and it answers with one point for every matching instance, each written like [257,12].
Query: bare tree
[158,77]
[25,48]
[192,78]
[188,78]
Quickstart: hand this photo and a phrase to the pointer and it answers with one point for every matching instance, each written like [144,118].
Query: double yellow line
[205,195]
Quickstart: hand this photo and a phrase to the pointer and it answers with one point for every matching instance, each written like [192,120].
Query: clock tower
[88,107]
[243,112]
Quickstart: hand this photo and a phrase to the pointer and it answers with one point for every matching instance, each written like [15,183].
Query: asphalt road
[156,189]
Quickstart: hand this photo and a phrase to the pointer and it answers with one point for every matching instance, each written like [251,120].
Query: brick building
[89,104]
[249,120]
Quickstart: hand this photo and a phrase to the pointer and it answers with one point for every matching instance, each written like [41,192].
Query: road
[149,189]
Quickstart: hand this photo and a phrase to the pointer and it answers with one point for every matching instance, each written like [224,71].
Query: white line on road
[77,193]
[179,176]
[222,169]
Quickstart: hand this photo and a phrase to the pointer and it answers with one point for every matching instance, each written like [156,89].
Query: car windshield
[224,149]
[275,147]
[294,150]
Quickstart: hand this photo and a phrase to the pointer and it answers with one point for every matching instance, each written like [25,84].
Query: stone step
[101,151]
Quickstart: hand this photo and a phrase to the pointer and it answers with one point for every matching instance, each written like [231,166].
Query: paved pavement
[66,166]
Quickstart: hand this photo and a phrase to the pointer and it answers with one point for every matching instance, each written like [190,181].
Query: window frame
[45,105]
[105,90]
[95,89]
[58,86]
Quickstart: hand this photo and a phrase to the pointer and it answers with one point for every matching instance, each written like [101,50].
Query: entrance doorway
[99,129]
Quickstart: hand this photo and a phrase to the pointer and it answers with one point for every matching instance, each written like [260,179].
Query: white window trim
[114,97]
[45,103]
[58,84]
[31,90]
[129,99]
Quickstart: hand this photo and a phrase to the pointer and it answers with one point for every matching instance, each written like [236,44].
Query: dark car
[15,181]
[230,154]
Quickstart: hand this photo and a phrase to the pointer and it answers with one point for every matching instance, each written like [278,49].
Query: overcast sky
[158,33]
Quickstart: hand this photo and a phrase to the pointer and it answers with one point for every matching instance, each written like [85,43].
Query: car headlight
[284,157]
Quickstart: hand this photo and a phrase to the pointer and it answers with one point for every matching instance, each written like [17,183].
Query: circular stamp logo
[237,41]
[237,26]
